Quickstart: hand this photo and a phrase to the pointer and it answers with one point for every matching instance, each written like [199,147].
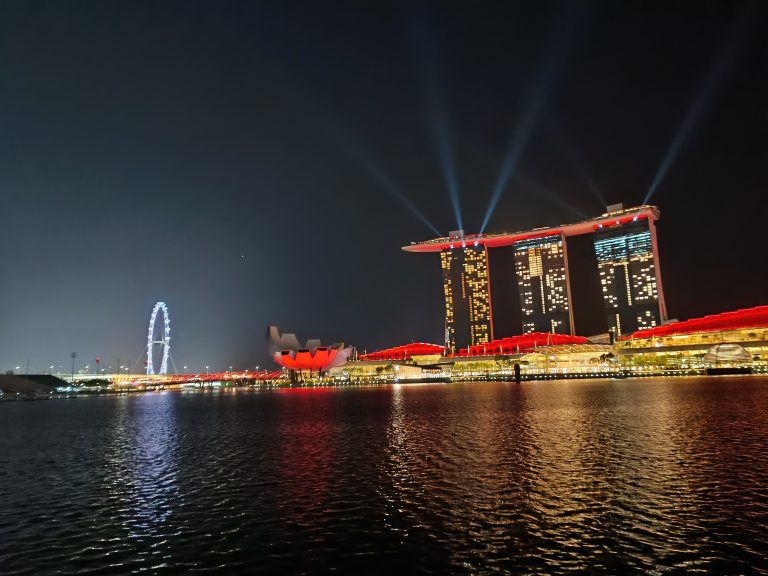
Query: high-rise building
[542,279]
[467,296]
[538,296]
[627,260]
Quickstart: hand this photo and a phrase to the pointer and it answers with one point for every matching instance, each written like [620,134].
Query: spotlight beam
[543,191]
[356,152]
[535,101]
[577,161]
[734,39]
[389,186]
[433,87]
[445,149]
[343,136]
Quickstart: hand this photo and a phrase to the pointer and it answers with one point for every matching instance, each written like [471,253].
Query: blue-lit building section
[542,278]
[628,266]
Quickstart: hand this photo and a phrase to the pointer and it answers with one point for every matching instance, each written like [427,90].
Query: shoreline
[331,383]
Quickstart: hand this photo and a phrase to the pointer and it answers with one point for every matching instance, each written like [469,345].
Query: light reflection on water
[141,461]
[635,476]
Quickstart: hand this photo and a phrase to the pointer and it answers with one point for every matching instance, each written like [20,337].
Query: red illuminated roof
[505,239]
[315,359]
[509,345]
[404,352]
[756,317]
[522,343]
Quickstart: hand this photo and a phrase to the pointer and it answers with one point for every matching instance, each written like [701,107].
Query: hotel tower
[542,280]
[467,294]
[627,260]
[624,263]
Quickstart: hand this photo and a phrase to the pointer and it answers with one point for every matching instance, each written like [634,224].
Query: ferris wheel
[164,342]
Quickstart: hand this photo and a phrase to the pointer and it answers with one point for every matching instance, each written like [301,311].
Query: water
[586,477]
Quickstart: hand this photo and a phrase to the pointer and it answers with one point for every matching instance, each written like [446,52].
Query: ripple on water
[637,476]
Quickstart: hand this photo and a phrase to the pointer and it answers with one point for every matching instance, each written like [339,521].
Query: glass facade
[628,266]
[467,297]
[689,350]
[542,279]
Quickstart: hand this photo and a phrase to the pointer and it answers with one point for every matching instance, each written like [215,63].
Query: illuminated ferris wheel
[164,342]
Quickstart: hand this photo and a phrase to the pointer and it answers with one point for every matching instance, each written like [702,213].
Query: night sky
[257,163]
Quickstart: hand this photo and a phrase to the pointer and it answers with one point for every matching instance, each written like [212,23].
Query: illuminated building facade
[627,261]
[467,296]
[622,271]
[542,279]
[686,344]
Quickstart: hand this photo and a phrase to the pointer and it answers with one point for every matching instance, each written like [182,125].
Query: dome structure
[727,354]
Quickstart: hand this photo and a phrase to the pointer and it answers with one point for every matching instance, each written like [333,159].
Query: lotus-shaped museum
[313,356]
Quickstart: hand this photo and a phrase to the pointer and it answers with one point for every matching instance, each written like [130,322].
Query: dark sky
[234,158]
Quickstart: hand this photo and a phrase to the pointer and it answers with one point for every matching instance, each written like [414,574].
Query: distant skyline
[263,163]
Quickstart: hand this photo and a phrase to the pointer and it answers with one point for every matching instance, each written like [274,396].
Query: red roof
[509,345]
[521,343]
[756,317]
[404,352]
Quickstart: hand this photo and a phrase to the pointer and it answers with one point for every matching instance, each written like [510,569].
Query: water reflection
[142,463]
[399,467]
[465,483]
[578,475]
[630,476]
[306,456]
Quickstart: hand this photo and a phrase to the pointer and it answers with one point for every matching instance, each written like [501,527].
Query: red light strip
[497,240]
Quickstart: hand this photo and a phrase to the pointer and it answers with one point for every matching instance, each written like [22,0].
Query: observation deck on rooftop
[507,238]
